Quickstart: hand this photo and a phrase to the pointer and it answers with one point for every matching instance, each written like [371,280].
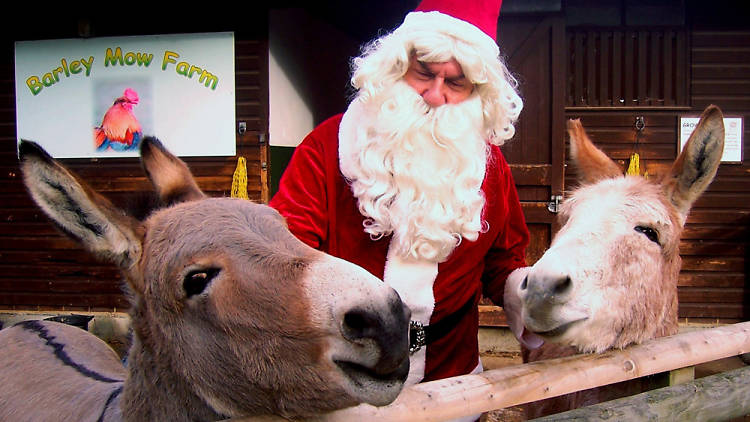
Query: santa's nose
[435,94]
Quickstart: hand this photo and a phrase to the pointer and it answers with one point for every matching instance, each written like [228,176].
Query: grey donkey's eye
[197,281]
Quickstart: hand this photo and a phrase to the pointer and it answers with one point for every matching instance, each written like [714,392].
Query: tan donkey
[609,278]
[231,314]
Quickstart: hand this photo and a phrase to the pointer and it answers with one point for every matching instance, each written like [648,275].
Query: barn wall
[713,284]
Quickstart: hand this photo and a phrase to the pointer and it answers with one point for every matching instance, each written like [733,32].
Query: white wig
[434,37]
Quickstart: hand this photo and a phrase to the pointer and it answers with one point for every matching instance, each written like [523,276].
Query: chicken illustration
[120,129]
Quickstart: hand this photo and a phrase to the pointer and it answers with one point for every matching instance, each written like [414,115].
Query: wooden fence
[714,398]
[499,388]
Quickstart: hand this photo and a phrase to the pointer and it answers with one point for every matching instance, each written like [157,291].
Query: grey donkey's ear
[78,211]
[698,162]
[170,176]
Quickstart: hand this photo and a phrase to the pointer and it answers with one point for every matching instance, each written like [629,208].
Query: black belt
[420,336]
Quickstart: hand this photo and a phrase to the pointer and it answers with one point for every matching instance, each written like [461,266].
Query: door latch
[554,204]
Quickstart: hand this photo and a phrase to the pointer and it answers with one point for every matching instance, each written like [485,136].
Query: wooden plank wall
[713,284]
[39,268]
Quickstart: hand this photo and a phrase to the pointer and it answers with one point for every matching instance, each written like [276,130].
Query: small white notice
[732,136]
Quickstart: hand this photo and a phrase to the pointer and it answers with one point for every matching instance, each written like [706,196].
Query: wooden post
[472,394]
[717,397]
[682,375]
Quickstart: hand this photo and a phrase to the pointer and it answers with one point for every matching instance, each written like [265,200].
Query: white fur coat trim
[413,280]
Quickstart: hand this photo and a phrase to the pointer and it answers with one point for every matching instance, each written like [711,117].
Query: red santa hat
[474,21]
[481,14]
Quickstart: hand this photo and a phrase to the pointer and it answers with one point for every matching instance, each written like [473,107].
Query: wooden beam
[495,389]
[717,397]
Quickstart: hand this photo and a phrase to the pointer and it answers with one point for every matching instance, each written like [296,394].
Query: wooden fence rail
[717,397]
[499,388]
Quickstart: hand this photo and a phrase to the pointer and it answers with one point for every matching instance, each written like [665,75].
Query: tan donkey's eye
[650,233]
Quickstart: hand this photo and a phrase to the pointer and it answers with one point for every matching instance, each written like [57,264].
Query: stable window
[627,67]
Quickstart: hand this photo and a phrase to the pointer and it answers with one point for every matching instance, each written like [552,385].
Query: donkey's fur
[231,314]
[609,278]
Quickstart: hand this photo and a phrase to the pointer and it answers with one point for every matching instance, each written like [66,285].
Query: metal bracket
[554,204]
[640,123]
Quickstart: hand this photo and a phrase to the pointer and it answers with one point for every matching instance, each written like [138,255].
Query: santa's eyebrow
[424,67]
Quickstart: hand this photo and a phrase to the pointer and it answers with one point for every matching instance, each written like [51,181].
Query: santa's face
[438,83]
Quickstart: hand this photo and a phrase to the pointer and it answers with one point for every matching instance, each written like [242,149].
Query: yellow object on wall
[239,179]
[634,168]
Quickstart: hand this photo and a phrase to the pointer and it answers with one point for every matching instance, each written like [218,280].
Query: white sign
[732,136]
[98,97]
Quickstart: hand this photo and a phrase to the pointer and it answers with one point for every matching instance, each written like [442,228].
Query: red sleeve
[509,249]
[302,197]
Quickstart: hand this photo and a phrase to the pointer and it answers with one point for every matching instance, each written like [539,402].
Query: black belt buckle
[417,336]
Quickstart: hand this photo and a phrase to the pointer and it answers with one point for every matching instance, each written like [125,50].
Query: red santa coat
[321,210]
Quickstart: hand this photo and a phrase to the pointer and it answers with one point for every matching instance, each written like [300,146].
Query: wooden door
[534,50]
[533,46]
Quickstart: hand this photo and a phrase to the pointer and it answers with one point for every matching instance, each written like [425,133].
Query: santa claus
[410,183]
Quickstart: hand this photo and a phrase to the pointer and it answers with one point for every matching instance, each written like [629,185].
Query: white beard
[416,171]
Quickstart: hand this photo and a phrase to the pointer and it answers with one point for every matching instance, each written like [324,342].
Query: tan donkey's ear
[592,164]
[698,162]
[78,211]
[170,176]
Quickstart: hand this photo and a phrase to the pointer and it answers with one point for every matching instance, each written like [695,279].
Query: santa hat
[474,21]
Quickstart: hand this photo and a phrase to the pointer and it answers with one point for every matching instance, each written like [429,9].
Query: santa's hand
[512,307]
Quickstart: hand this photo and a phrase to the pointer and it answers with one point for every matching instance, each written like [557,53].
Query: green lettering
[193,70]
[130,59]
[145,59]
[182,68]
[34,85]
[210,79]
[65,67]
[169,57]
[48,80]
[75,67]
[55,72]
[111,57]
[88,64]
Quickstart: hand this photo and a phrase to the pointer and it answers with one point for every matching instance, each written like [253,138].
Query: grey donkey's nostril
[525,283]
[547,286]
